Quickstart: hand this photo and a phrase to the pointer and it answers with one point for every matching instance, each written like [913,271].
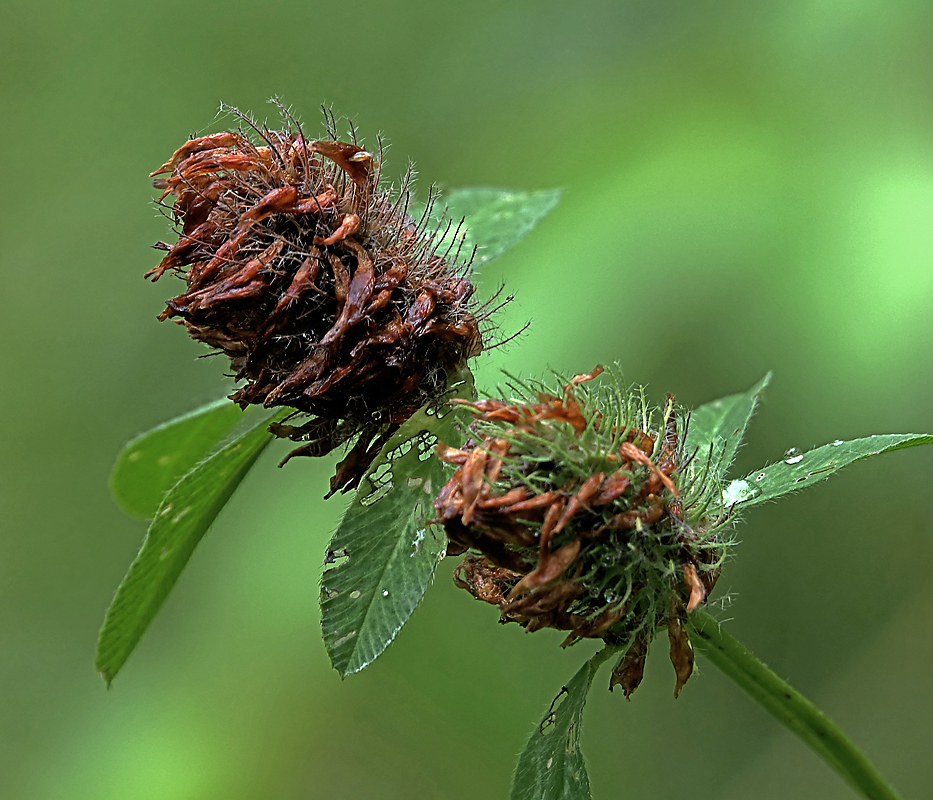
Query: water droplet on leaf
[738,492]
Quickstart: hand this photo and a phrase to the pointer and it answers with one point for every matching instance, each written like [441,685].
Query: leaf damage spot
[343,639]
[337,557]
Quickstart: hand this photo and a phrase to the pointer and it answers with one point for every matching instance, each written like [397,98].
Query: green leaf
[384,552]
[799,471]
[551,765]
[149,465]
[723,423]
[788,706]
[496,219]
[185,514]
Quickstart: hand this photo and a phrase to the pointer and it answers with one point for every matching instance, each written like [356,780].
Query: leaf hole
[550,719]
[337,557]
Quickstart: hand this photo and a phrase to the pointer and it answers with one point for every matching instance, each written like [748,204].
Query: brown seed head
[571,516]
[324,293]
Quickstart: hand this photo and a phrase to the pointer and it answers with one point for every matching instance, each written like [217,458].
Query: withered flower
[325,294]
[573,512]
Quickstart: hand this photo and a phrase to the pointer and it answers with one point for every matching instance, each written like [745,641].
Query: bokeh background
[749,186]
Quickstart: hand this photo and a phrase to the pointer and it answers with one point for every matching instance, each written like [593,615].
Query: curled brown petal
[214,140]
[630,670]
[681,649]
[630,451]
[348,227]
[583,496]
[474,473]
[694,586]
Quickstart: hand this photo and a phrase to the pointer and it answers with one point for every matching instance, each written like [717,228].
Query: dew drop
[760,476]
[611,597]
[354,594]
[385,592]
[793,460]
[791,452]
[738,492]
[550,761]
[837,442]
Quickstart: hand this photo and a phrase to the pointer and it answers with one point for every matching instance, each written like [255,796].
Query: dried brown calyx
[573,512]
[315,282]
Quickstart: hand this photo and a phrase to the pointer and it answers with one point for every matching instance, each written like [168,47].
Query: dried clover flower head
[315,282]
[574,512]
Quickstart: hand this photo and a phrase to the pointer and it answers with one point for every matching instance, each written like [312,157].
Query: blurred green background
[749,186]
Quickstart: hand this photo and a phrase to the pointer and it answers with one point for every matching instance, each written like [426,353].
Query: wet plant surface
[575,505]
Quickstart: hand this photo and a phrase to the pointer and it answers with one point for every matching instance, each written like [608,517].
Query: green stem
[789,707]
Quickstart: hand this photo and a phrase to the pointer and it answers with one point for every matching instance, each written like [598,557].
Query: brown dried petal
[631,667]
[681,649]
[694,586]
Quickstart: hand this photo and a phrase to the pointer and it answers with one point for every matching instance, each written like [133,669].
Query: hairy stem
[789,707]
